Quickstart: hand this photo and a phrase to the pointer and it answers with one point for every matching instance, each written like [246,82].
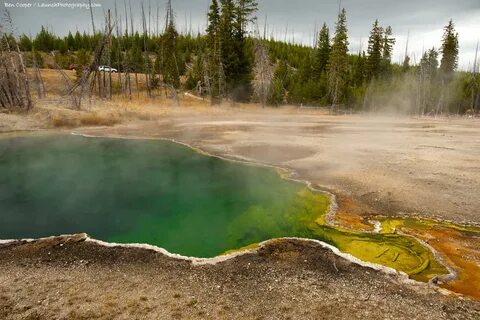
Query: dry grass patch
[64,122]
[87,120]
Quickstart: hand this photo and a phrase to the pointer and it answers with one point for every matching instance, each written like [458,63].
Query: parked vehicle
[107,69]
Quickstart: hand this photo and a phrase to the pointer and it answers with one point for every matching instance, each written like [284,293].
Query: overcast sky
[422,20]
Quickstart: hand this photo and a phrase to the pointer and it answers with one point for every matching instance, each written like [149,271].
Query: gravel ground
[70,278]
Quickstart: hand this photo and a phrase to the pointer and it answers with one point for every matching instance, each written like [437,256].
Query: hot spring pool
[165,194]
[141,191]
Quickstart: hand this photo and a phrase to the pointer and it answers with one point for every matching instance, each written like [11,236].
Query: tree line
[229,61]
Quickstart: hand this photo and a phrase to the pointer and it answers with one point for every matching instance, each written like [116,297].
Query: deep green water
[138,191]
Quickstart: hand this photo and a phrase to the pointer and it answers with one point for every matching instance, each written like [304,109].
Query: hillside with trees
[229,61]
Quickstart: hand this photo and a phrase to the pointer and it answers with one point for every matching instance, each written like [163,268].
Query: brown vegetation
[88,120]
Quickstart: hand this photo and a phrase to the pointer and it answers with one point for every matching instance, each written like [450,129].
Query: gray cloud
[422,20]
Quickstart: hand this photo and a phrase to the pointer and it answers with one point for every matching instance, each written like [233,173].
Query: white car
[107,69]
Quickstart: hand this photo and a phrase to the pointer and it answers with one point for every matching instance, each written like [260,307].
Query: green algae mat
[168,195]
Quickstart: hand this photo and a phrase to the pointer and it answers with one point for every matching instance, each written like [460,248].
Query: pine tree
[226,39]
[136,60]
[245,13]
[214,67]
[235,51]
[449,50]
[213,20]
[25,43]
[338,64]
[428,78]
[388,43]
[429,64]
[243,72]
[61,46]
[86,42]
[375,51]
[387,49]
[323,52]
[44,41]
[70,42]
[448,65]
[78,40]
[170,67]
[358,72]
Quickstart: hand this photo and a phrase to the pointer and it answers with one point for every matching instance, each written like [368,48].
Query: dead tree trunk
[145,48]
[475,89]
[119,48]
[263,73]
[109,52]
[14,85]
[39,84]
[91,72]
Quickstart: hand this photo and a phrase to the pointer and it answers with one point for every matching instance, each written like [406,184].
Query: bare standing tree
[475,84]
[14,85]
[262,70]
[39,84]
[67,82]
[87,80]
[109,54]
[132,32]
[128,84]
[119,48]
[91,16]
[145,48]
